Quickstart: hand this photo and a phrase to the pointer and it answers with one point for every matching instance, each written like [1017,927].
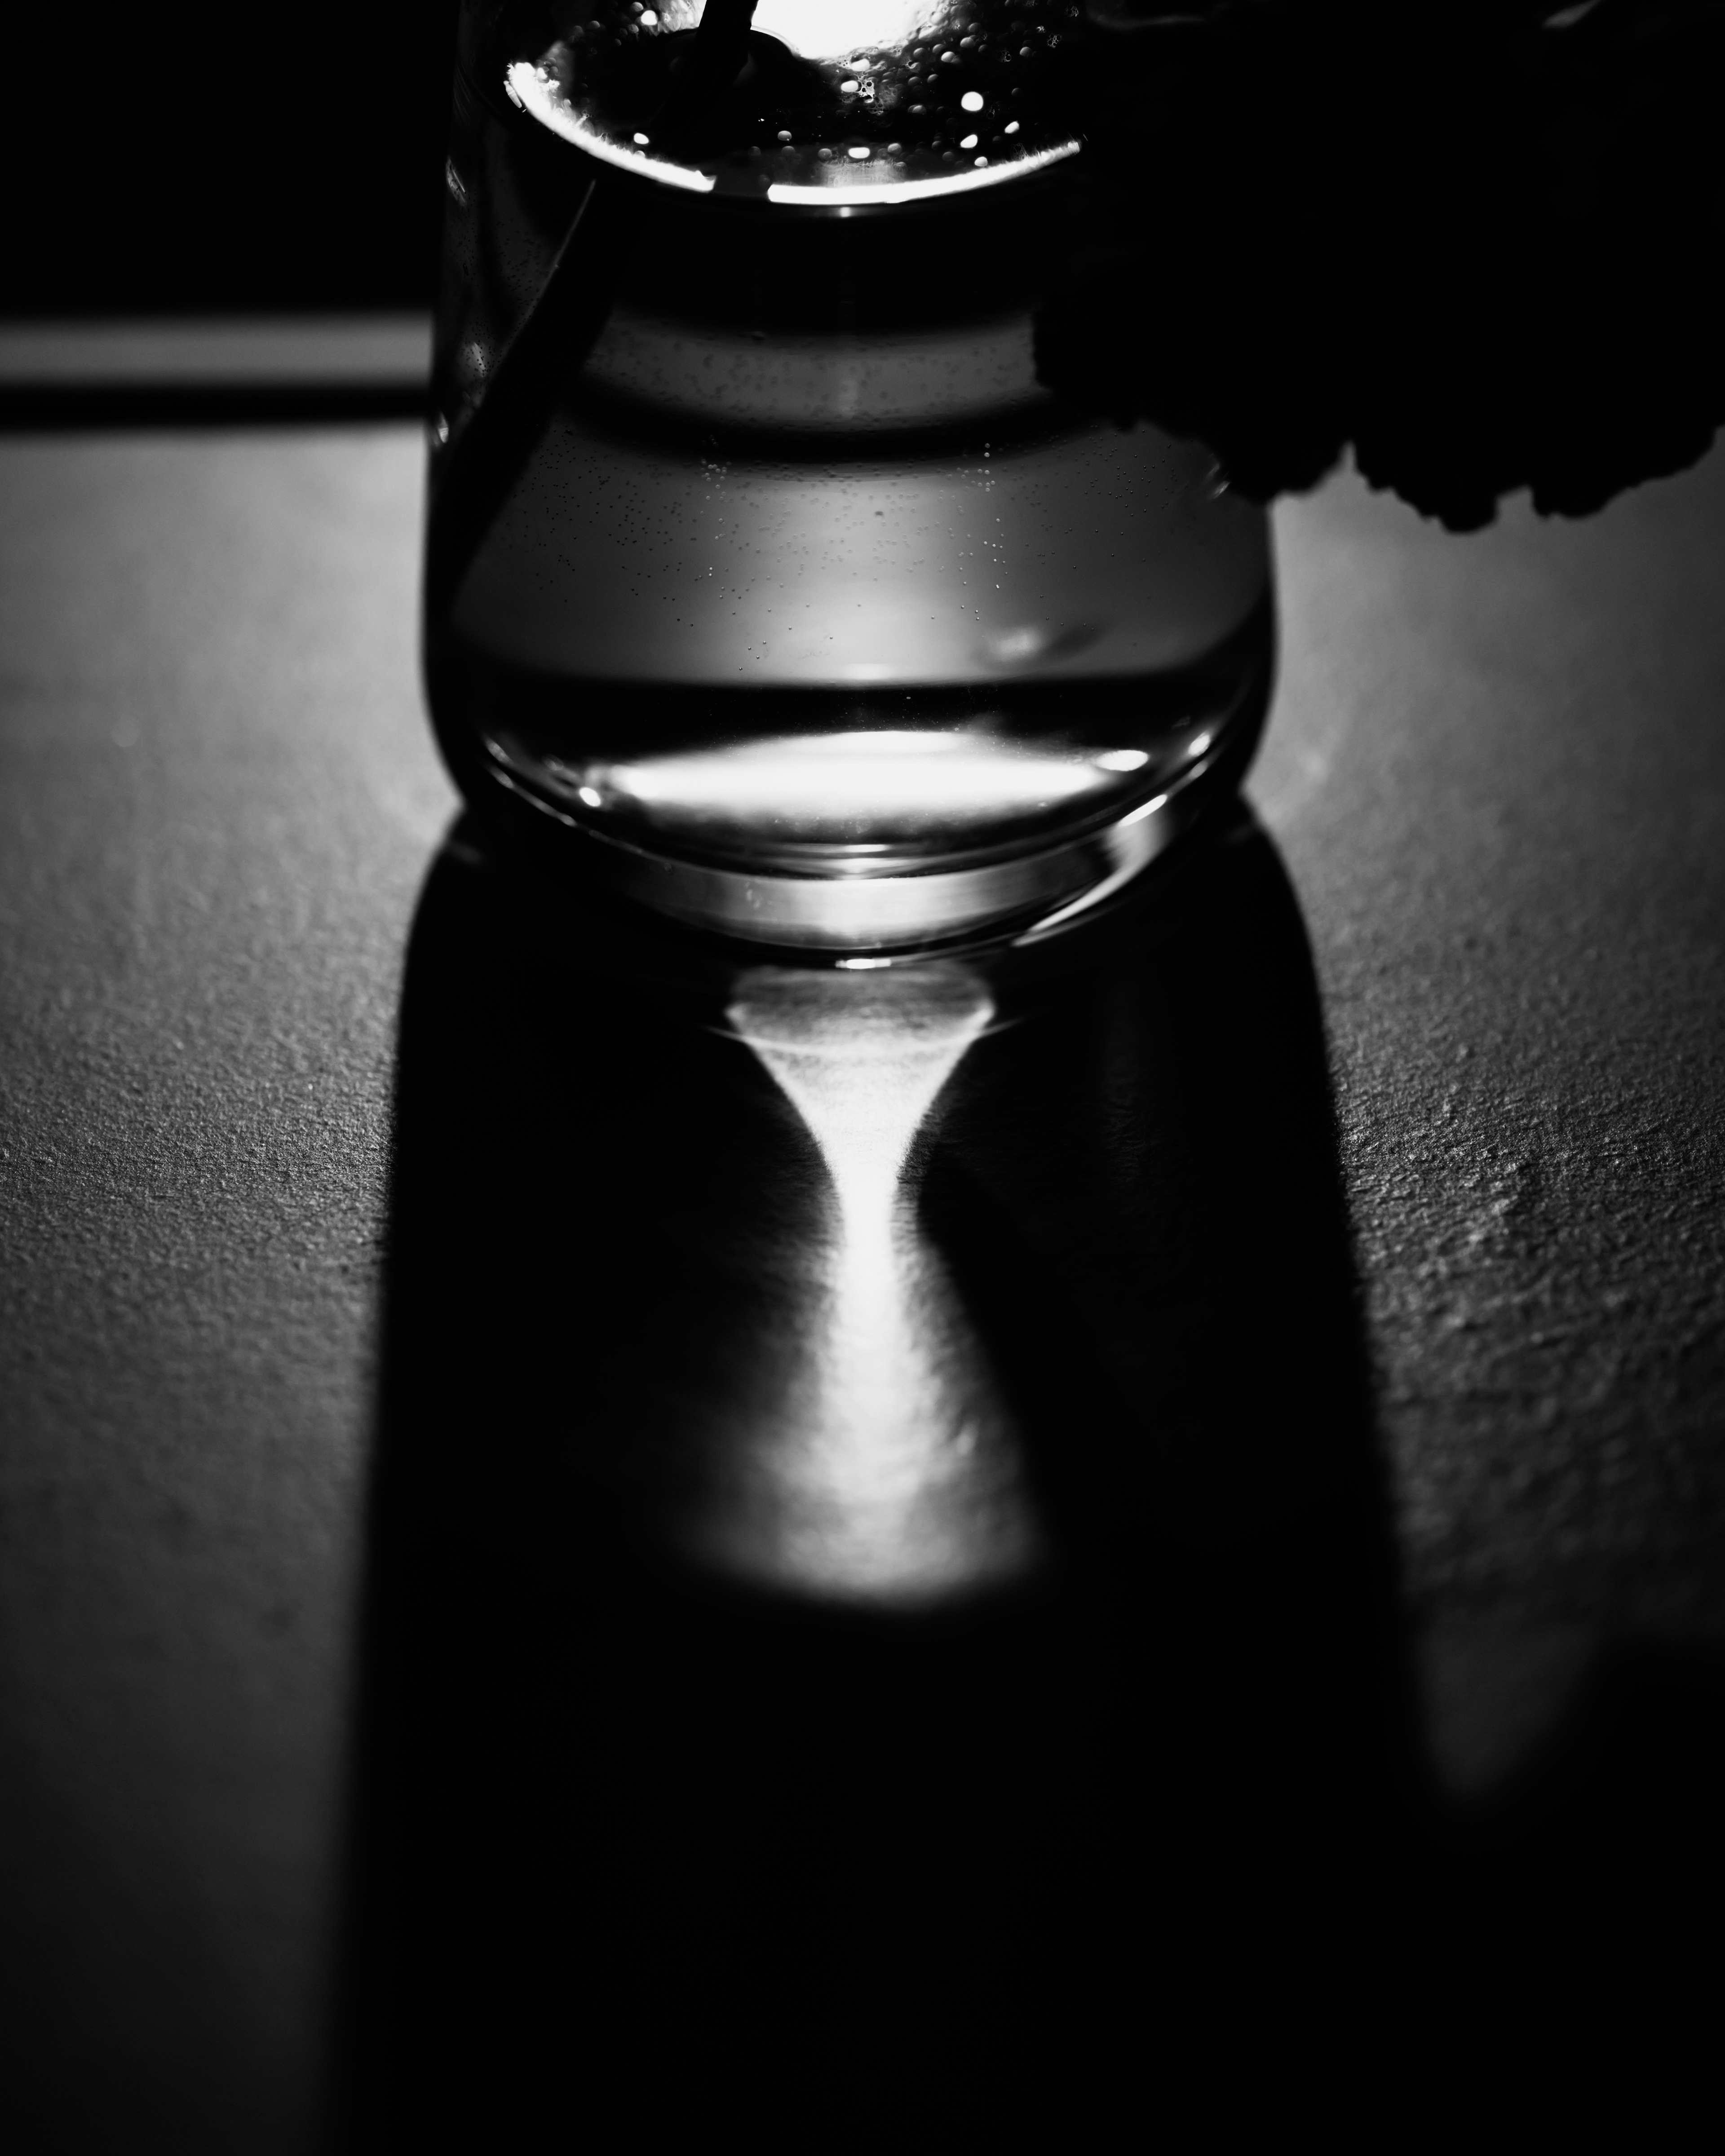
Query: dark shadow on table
[673,1818]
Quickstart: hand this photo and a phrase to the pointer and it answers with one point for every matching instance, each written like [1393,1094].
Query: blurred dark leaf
[1471,240]
[200,159]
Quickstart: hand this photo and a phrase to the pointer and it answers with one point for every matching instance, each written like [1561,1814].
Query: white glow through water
[825,29]
[833,29]
[893,780]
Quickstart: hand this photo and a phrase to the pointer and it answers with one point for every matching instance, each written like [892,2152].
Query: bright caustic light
[889,1472]
[899,780]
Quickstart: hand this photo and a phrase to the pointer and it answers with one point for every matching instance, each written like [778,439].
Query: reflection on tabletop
[889,1470]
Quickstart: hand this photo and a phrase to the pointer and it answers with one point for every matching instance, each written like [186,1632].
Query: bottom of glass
[824,830]
[848,912]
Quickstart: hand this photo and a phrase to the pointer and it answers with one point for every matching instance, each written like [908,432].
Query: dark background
[198,159]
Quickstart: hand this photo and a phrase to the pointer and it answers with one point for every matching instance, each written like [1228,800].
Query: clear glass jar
[791,603]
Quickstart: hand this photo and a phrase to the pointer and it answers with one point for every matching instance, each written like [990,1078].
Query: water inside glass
[811,615]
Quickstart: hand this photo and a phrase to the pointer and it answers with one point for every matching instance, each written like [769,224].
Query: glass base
[867,910]
[888,828]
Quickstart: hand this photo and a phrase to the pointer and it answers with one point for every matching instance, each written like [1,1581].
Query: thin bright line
[1143,809]
[901,191]
[529,86]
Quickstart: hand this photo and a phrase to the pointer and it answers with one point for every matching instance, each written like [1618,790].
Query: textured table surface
[1495,779]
